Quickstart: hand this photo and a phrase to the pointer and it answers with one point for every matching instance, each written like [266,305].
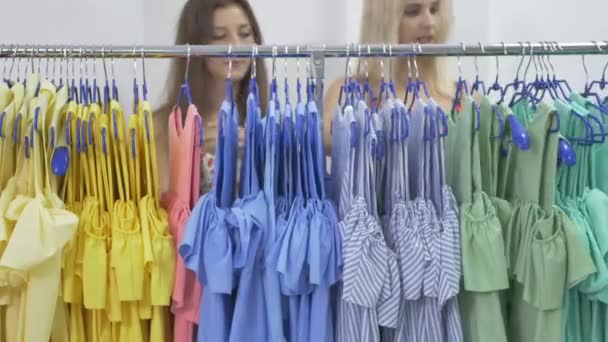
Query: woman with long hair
[221,22]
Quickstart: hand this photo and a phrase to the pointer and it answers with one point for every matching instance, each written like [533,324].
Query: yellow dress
[127,255]
[96,232]
[73,189]
[35,247]
[159,249]
[11,280]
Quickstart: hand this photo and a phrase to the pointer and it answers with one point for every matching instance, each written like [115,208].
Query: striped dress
[370,290]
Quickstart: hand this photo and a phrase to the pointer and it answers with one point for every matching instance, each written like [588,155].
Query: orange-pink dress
[184,184]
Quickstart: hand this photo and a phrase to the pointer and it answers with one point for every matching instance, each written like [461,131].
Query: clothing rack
[317,53]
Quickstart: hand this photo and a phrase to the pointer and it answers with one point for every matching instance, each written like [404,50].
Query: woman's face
[230,27]
[419,21]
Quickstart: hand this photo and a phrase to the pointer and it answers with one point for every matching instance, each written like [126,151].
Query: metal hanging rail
[288,51]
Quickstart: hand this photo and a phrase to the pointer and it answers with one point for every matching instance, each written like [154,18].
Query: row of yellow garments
[85,248]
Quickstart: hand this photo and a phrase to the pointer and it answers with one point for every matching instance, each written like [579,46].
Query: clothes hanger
[540,84]
[135,85]
[601,83]
[461,85]
[551,74]
[383,83]
[185,87]
[555,46]
[367,88]
[135,162]
[496,86]
[478,83]
[516,82]
[588,93]
[114,86]
[583,114]
[525,93]
[439,111]
[106,85]
[345,87]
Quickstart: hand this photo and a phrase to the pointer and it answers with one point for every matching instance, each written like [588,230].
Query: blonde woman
[402,22]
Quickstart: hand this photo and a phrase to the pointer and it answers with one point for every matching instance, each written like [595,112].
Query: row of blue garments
[270,258]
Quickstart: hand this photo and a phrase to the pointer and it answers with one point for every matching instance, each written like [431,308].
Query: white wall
[309,22]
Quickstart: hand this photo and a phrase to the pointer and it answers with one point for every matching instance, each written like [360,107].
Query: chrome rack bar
[289,51]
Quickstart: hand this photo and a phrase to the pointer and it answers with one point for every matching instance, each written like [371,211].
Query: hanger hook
[94,65]
[13,61]
[529,61]
[87,64]
[308,66]
[39,61]
[586,70]
[382,61]
[504,48]
[547,60]
[103,58]
[551,48]
[285,60]
[253,62]
[81,52]
[348,62]
[134,62]
[390,60]
[65,58]
[3,61]
[415,63]
[544,69]
[359,61]
[47,59]
[369,52]
[521,60]
[274,62]
[143,65]
[605,65]
[298,61]
[475,58]
[230,61]
[31,61]
[188,51]
[464,49]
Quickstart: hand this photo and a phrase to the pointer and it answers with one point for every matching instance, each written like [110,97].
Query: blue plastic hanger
[461,85]
[565,152]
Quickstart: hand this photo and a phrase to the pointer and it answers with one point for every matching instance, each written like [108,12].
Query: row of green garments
[534,235]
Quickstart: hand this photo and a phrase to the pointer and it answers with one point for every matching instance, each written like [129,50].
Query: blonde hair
[380,25]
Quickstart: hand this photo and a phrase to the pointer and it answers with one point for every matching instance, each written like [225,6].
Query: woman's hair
[196,27]
[380,25]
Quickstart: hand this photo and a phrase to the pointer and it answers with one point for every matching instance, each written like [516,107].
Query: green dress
[546,254]
[482,247]
[580,196]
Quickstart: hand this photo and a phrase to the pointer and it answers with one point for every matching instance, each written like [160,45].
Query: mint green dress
[580,195]
[545,254]
[475,160]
